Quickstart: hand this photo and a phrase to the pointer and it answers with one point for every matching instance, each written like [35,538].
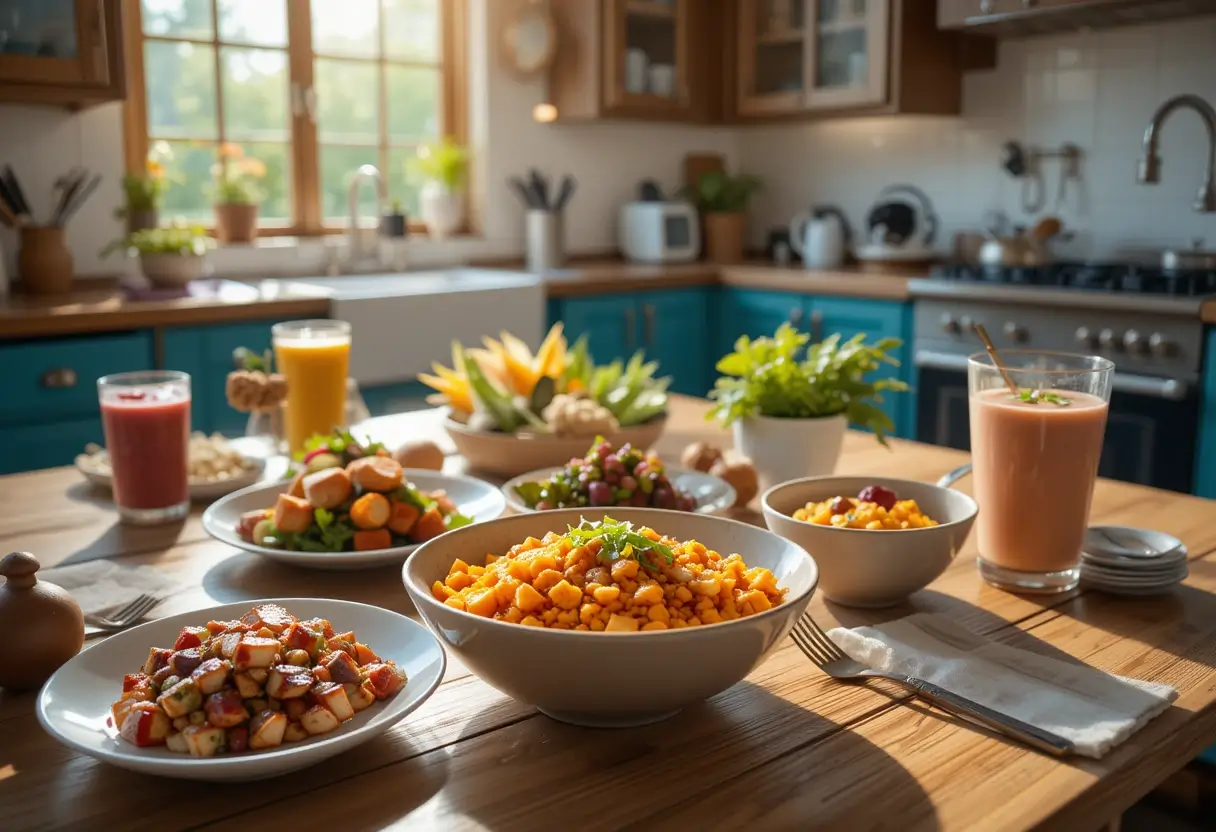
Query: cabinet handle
[59,378]
[631,323]
[795,316]
[816,327]
[648,323]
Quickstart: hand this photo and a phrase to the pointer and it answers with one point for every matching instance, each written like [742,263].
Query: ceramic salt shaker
[42,625]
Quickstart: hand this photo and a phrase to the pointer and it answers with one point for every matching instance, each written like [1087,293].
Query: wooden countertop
[1208,313]
[788,748]
[108,307]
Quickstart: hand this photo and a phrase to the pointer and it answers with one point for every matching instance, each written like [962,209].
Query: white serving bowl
[861,568]
[74,704]
[611,679]
[713,494]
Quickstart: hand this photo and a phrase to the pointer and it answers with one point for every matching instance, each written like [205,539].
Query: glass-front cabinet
[53,42]
[811,54]
[647,53]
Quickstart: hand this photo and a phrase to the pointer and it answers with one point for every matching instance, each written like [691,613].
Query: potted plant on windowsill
[722,200]
[171,256]
[238,192]
[144,192]
[789,403]
[441,167]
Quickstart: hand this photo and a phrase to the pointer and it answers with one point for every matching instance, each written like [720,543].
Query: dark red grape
[877,494]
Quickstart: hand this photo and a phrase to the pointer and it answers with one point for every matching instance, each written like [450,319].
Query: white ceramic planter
[789,449]
[442,209]
[172,269]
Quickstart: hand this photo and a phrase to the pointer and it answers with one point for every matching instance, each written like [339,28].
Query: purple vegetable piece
[600,493]
[628,482]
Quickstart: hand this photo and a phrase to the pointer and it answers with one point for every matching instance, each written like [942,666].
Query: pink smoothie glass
[1035,458]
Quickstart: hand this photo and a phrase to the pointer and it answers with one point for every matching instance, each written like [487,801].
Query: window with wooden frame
[309,89]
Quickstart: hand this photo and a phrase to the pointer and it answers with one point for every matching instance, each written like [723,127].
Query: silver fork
[125,617]
[816,646]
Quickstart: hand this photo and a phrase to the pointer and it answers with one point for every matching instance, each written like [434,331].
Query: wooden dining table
[787,748]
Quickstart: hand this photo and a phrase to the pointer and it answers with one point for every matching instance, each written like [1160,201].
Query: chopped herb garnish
[619,540]
[1038,396]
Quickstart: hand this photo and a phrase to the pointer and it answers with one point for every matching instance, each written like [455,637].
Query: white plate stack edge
[1122,560]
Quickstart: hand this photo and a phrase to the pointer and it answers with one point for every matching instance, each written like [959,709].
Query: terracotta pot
[724,233]
[236,223]
[139,220]
[44,262]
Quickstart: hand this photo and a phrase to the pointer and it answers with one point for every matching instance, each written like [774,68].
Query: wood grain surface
[787,748]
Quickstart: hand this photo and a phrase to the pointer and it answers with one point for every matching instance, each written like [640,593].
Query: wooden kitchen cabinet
[63,52]
[846,57]
[629,59]
[1032,17]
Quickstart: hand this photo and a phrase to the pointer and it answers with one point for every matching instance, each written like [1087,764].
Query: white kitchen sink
[401,323]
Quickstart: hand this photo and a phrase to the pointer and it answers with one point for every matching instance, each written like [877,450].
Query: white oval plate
[74,704]
[200,490]
[476,498]
[713,494]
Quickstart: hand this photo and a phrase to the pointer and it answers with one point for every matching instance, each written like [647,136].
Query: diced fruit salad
[607,476]
[350,496]
[251,684]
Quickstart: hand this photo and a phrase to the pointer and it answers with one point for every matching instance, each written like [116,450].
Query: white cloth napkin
[1094,710]
[101,586]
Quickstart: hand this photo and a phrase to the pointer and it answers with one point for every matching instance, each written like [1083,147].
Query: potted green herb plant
[171,256]
[441,167]
[238,192]
[143,192]
[789,401]
[722,200]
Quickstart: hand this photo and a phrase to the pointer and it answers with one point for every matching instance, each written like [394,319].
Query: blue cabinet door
[48,445]
[676,333]
[875,319]
[205,352]
[754,312]
[1205,460]
[610,323]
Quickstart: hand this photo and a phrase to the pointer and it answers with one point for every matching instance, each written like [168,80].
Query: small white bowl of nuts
[216,466]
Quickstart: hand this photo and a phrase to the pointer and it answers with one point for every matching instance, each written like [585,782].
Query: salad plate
[74,706]
[712,495]
[474,499]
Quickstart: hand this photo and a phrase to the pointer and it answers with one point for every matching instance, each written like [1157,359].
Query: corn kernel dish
[875,508]
[608,577]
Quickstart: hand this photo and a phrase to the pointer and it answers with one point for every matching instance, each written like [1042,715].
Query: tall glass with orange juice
[315,358]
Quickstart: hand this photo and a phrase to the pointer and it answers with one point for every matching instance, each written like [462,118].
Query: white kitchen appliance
[819,236]
[659,232]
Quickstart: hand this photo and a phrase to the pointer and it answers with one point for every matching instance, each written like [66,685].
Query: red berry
[841,505]
[884,497]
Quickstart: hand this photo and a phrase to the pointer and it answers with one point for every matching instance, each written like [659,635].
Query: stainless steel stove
[1146,320]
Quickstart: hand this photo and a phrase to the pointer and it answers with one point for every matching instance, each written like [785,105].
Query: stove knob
[1086,338]
[1160,346]
[1134,343]
[1015,333]
[965,323]
[1107,340]
[950,326]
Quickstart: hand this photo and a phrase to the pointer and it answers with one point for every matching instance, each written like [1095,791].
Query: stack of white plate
[1123,560]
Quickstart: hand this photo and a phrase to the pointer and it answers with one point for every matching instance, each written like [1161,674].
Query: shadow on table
[126,539]
[747,758]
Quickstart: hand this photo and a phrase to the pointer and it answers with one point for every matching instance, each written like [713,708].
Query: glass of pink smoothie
[146,416]
[1034,459]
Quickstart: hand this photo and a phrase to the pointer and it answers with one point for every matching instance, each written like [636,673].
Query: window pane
[263,22]
[178,18]
[346,27]
[413,102]
[411,29]
[189,173]
[181,90]
[276,186]
[255,94]
[338,164]
[348,101]
[399,187]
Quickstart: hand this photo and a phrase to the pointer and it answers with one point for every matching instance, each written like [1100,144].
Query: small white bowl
[612,679]
[74,704]
[713,494]
[96,469]
[472,497]
[862,568]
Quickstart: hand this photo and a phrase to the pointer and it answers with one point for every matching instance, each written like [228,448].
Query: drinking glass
[146,416]
[1034,460]
[314,356]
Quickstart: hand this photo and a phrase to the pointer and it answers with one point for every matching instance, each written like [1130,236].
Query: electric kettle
[820,236]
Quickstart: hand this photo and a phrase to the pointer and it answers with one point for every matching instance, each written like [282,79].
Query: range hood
[1025,18]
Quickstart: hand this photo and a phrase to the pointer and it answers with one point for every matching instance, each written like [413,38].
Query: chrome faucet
[363,243]
[1150,163]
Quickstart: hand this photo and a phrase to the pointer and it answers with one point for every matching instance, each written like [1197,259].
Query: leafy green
[494,401]
[785,378]
[188,241]
[341,442]
[618,540]
[719,192]
[1037,396]
[530,492]
[328,533]
[455,520]
[406,493]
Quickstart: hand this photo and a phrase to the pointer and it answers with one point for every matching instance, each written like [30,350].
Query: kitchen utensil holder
[44,263]
[545,243]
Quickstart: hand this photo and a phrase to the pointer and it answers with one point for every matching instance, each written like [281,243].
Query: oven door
[1151,430]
